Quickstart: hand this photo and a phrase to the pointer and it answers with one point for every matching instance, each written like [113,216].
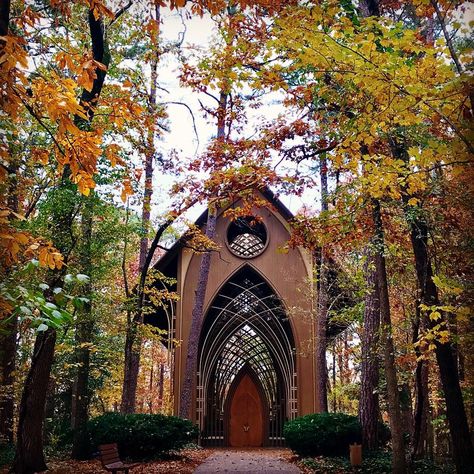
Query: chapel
[256,364]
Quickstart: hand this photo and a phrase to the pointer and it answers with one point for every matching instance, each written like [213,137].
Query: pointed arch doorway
[246,386]
[245,411]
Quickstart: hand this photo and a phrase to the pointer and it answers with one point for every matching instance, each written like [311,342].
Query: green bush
[327,434]
[377,462]
[7,453]
[141,436]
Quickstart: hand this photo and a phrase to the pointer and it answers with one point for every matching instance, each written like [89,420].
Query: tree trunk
[421,417]
[196,322]
[84,331]
[132,345]
[198,308]
[161,386]
[393,398]
[369,410]
[463,450]
[131,368]
[369,403]
[334,380]
[322,316]
[85,327]
[4,18]
[407,410]
[29,457]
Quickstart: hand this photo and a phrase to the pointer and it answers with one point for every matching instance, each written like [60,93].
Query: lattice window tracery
[246,325]
[246,237]
[247,245]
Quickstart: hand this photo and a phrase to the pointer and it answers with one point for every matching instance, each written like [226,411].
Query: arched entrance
[245,411]
[246,386]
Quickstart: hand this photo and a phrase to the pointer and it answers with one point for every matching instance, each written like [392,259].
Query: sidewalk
[248,462]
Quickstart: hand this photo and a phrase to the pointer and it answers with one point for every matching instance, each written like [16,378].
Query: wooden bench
[110,459]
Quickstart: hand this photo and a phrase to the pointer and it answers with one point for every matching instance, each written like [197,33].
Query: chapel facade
[256,364]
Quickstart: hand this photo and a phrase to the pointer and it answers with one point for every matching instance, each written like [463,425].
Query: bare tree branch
[192,117]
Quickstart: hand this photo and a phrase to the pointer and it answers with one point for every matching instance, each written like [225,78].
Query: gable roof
[164,262]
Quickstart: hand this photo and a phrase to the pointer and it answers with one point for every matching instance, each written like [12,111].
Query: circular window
[246,237]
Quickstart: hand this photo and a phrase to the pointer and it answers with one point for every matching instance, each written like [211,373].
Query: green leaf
[42,327]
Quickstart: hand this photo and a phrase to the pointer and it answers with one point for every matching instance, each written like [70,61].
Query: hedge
[327,434]
[141,436]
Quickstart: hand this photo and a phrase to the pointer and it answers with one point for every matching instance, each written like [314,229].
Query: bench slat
[110,458]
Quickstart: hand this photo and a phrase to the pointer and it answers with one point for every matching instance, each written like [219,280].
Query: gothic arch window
[246,326]
[246,237]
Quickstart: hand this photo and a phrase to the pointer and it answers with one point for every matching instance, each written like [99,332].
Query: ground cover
[379,463]
[183,462]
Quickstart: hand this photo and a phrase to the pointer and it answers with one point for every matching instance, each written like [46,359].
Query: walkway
[248,462]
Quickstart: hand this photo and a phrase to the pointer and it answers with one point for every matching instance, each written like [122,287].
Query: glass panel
[247,245]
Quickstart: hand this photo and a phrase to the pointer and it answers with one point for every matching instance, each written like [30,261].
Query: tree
[369,409]
[133,340]
[322,316]
[29,455]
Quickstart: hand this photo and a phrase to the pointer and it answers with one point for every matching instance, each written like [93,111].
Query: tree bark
[29,456]
[131,368]
[399,465]
[369,410]
[369,8]
[4,18]
[161,386]
[8,344]
[322,316]
[198,308]
[196,322]
[84,330]
[421,417]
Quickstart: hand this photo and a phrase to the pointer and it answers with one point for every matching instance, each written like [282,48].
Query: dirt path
[248,462]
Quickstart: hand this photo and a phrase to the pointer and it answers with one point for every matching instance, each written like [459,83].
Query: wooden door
[246,415]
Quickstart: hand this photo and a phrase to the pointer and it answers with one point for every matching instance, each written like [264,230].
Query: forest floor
[183,463]
[187,461]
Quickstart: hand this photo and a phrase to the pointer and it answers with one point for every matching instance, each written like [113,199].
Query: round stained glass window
[246,237]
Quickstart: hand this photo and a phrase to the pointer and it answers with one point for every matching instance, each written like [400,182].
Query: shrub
[327,434]
[7,453]
[141,436]
[377,462]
